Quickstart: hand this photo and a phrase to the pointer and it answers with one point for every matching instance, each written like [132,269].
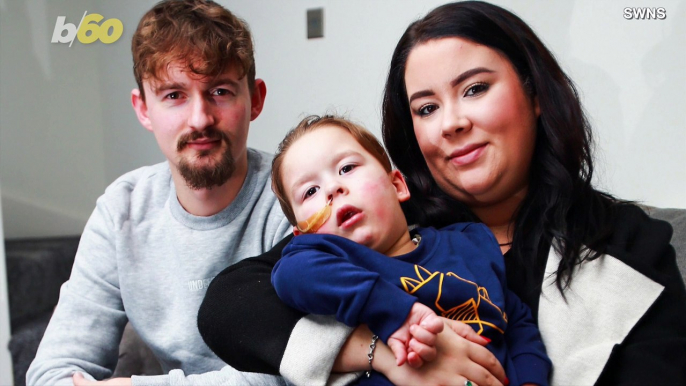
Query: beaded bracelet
[370,355]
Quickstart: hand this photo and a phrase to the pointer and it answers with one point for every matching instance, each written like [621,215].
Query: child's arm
[315,276]
[423,325]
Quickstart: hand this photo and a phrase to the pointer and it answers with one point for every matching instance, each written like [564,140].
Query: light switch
[315,23]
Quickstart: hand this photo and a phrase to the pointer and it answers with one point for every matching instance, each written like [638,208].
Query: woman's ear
[401,189]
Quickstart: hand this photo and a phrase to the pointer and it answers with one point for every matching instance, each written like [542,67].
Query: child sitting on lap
[353,256]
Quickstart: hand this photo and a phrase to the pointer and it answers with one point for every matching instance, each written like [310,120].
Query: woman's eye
[476,89]
[346,169]
[427,109]
[311,191]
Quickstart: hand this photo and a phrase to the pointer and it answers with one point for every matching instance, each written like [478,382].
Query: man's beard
[206,177]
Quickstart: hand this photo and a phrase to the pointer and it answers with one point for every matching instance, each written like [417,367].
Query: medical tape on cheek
[314,222]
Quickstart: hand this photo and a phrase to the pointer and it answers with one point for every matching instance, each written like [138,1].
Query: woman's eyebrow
[459,79]
[468,74]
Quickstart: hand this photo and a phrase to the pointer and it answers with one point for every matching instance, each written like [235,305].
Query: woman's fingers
[476,363]
[489,370]
[466,332]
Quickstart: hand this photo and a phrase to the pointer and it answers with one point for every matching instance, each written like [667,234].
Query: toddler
[353,256]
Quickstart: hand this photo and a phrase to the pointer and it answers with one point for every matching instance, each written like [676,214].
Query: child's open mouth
[348,215]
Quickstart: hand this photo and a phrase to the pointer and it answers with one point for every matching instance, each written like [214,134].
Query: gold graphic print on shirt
[456,298]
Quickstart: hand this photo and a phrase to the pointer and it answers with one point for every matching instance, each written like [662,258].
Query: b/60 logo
[88,31]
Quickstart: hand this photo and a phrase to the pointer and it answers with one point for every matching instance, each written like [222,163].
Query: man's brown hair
[200,34]
[366,139]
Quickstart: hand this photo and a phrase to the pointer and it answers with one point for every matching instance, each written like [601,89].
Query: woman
[486,127]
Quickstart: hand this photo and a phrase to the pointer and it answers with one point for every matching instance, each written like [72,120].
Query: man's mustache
[210,133]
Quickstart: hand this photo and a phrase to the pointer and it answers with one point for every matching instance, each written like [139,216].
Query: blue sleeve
[315,275]
[524,342]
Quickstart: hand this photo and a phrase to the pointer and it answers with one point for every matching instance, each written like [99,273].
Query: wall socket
[315,23]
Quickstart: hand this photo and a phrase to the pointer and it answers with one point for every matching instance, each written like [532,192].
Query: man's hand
[421,326]
[79,380]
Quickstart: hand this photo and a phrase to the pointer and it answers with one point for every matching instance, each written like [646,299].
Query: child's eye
[346,169]
[311,191]
[476,89]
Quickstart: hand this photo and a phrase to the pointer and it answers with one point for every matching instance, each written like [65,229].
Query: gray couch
[36,268]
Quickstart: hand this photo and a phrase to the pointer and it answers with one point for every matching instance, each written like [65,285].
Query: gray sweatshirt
[144,259]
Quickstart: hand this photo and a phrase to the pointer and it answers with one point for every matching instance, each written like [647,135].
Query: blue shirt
[458,271]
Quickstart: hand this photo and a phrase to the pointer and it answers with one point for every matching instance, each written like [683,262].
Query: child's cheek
[376,191]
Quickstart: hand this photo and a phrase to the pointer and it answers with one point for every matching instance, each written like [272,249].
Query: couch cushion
[677,218]
[36,268]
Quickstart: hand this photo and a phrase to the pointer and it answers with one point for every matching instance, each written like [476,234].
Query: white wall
[630,74]
[67,128]
[51,122]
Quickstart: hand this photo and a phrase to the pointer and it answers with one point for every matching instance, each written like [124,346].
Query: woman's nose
[201,114]
[454,121]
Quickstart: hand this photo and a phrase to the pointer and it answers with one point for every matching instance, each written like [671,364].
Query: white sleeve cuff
[312,350]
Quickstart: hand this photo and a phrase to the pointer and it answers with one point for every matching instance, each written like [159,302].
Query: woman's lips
[467,154]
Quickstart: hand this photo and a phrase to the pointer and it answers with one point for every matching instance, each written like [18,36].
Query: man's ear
[296,232]
[257,98]
[140,108]
[401,189]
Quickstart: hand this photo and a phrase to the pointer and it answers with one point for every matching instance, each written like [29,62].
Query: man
[159,234]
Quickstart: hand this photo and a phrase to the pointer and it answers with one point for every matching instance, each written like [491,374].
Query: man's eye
[173,95]
[222,92]
[476,89]
[311,191]
[427,109]
[346,169]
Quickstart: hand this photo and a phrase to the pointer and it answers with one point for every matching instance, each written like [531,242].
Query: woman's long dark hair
[561,207]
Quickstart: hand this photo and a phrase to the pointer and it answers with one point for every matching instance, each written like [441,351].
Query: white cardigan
[604,302]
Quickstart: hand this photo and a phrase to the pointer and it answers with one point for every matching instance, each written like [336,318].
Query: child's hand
[421,327]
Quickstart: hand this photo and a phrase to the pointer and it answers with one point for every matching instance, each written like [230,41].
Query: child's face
[329,162]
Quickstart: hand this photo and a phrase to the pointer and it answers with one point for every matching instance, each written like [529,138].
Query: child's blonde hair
[366,139]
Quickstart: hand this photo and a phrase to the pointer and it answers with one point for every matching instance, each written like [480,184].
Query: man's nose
[201,114]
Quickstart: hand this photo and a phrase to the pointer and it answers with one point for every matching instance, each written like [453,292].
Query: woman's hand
[461,357]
